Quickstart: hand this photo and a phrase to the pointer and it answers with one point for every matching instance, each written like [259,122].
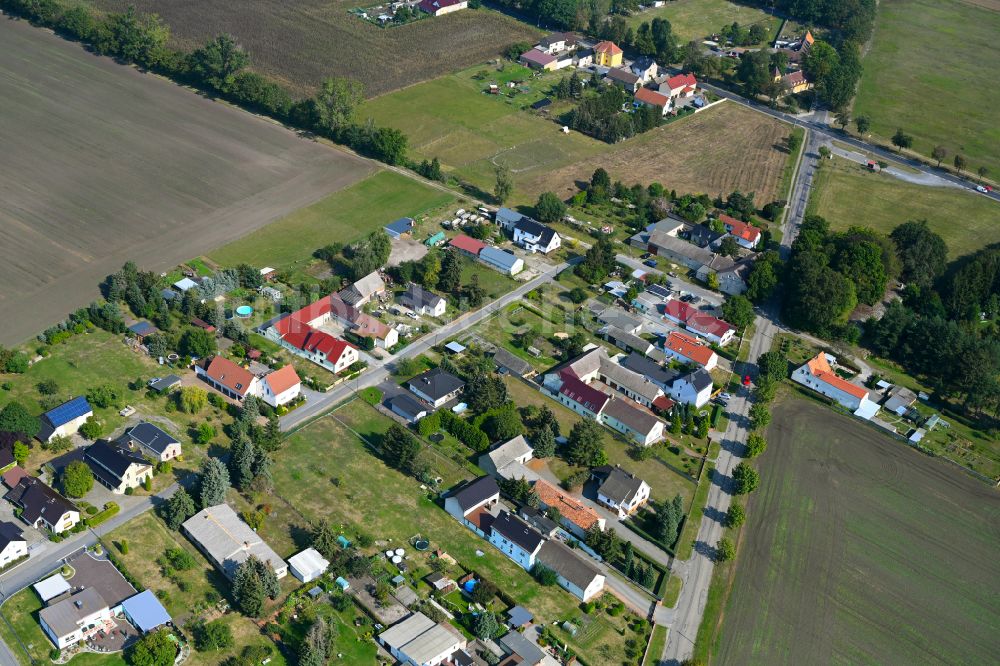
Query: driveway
[708,297]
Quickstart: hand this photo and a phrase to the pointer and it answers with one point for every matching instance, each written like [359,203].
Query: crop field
[303,41]
[858,549]
[925,74]
[102,164]
[697,19]
[342,217]
[847,194]
[718,150]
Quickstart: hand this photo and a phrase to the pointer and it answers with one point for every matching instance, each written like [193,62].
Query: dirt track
[101,164]
[861,550]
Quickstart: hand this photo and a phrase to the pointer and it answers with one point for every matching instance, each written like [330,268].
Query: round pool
[244,311]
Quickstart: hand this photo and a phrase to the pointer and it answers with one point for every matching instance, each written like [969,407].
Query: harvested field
[103,164]
[698,19]
[860,550]
[715,151]
[303,41]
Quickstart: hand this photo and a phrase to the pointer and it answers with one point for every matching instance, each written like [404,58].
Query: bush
[110,509]
[91,429]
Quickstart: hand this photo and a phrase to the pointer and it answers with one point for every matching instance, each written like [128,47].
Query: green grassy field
[697,19]
[927,73]
[657,643]
[324,471]
[847,194]
[858,549]
[342,217]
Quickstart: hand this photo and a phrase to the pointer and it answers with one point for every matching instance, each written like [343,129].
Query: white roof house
[419,641]
[51,587]
[308,565]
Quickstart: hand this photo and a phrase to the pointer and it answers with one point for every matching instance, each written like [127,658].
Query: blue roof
[455,347]
[142,328]
[400,226]
[145,611]
[508,215]
[342,583]
[68,411]
[497,257]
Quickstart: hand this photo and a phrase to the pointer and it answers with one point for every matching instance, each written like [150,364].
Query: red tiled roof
[821,370]
[569,507]
[739,228]
[690,348]
[230,375]
[313,310]
[663,403]
[200,323]
[467,243]
[682,81]
[607,47]
[679,310]
[651,97]
[13,476]
[577,391]
[794,78]
[708,325]
[283,379]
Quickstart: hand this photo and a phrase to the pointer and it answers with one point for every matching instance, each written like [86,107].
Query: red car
[746,380]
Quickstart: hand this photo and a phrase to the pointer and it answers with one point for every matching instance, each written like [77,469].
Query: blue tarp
[145,611]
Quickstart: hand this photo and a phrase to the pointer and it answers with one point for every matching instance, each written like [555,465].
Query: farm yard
[300,42]
[470,133]
[924,74]
[103,164]
[847,194]
[858,549]
[697,19]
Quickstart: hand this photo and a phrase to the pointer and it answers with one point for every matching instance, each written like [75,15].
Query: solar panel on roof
[68,411]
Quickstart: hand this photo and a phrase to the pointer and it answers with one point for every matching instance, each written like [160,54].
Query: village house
[227,541]
[538,59]
[574,515]
[280,387]
[422,301]
[436,387]
[645,68]
[689,349]
[226,377]
[528,233]
[474,503]
[508,460]
[654,99]
[557,42]
[75,618]
[65,420]
[515,539]
[621,320]
[363,290]
[660,375]
[419,641]
[607,54]
[406,407]
[583,57]
[116,467]
[442,7]
[693,389]
[573,573]
[42,507]
[745,235]
[624,79]
[701,324]
[13,545]
[639,425]
[818,374]
[731,275]
[620,491]
[679,87]
[792,82]
[153,440]
[299,334]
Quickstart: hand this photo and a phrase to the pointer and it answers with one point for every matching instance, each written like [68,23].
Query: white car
[983,189]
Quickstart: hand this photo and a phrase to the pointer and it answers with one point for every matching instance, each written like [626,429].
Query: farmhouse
[474,503]
[41,506]
[515,539]
[607,54]
[557,42]
[746,235]
[818,374]
[624,79]
[280,387]
[419,641]
[436,387]
[299,333]
[227,377]
[442,7]
[65,419]
[363,290]
[732,275]
[574,574]
[537,59]
[620,491]
[401,228]
[116,467]
[701,324]
[688,349]
[406,407]
[507,460]
[153,440]
[13,545]
[583,57]
[227,541]
[679,86]
[422,301]
[574,515]
[75,618]
[652,98]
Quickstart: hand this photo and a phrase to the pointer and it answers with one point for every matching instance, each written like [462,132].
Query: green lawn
[930,71]
[326,472]
[847,194]
[657,642]
[342,217]
[697,19]
[689,533]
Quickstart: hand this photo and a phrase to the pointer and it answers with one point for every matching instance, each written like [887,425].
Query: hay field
[859,550]
[303,41]
[102,164]
[697,19]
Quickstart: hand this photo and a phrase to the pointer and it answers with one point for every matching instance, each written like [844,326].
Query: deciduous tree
[77,479]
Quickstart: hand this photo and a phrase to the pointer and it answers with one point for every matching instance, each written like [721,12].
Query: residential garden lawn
[328,473]
[471,132]
[342,217]
[847,194]
[353,644]
[699,19]
[494,282]
[601,637]
[663,482]
[925,71]
[849,540]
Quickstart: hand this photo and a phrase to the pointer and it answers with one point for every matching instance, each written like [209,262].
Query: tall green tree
[219,60]
[738,311]
[15,418]
[214,483]
[549,208]
[156,648]
[77,479]
[585,446]
[178,508]
[922,252]
[745,479]
[337,101]
[504,185]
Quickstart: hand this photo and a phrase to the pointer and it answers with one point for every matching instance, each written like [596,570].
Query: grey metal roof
[637,419]
[568,564]
[530,654]
[650,368]
[165,383]
[517,365]
[227,539]
[476,492]
[506,453]
[407,405]
[150,436]
[64,617]
[420,638]
[517,531]
[498,257]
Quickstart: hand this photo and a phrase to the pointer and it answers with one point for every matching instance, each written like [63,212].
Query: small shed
[51,587]
[400,228]
[518,617]
[145,611]
[455,347]
[184,284]
[308,565]
[435,239]
[142,329]
[342,583]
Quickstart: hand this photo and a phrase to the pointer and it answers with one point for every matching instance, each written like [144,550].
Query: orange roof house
[607,54]
[688,349]
[818,375]
[745,234]
[576,516]
[652,98]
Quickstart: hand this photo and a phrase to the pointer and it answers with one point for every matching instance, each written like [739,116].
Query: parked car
[647,255]
[672,274]
[725,397]
[650,262]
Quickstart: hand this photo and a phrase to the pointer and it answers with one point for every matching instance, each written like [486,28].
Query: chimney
[78,603]
[246,545]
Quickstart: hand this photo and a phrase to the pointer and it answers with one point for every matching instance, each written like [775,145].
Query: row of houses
[276,388]
[497,259]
